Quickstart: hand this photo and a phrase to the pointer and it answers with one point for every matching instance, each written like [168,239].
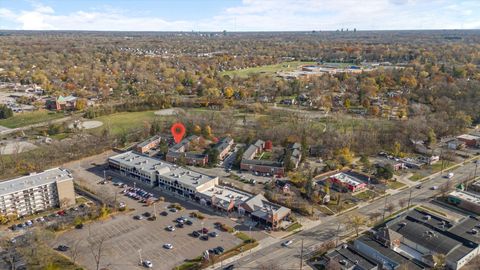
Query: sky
[238,15]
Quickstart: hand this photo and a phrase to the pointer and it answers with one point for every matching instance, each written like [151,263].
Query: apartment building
[223,147]
[148,144]
[37,192]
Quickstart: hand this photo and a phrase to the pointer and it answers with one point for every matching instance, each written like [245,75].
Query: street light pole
[409,199]
[140,255]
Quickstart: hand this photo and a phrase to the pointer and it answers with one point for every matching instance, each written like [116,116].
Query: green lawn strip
[416,177]
[365,195]
[294,227]
[428,209]
[395,185]
[30,118]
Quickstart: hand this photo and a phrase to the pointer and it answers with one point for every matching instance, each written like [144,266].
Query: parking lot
[127,239]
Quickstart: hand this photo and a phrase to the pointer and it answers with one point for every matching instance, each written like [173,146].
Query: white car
[287,243]
[168,246]
[147,264]
[450,175]
[170,228]
[434,188]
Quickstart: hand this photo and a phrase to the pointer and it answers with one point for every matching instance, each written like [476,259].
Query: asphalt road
[289,257]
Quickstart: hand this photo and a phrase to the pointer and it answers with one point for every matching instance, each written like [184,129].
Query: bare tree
[402,202]
[389,208]
[74,251]
[96,249]
[354,221]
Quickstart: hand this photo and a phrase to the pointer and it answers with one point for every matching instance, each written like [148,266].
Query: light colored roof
[223,195]
[261,207]
[33,180]
[468,137]
[149,140]
[466,196]
[345,178]
[165,169]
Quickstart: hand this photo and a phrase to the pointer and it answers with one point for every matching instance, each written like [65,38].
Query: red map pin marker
[178,130]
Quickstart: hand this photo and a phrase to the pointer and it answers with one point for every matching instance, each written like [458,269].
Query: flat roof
[466,196]
[225,194]
[351,257]
[346,178]
[165,169]
[33,180]
[468,137]
[465,229]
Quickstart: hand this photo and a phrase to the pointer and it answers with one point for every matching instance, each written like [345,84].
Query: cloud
[264,15]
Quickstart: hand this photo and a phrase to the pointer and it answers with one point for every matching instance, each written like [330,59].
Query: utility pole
[336,235]
[409,198]
[154,210]
[384,208]
[301,256]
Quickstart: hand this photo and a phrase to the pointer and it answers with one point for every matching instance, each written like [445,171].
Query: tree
[228,92]
[81,104]
[345,156]
[397,149]
[96,249]
[212,156]
[439,261]
[354,221]
[389,208]
[431,138]
[385,171]
[346,103]
[5,112]
[365,161]
[207,131]
[197,130]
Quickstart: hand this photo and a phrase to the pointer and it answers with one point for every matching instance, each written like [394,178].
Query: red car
[204,230]
[61,213]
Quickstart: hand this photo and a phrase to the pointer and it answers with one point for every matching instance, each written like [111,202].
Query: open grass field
[125,121]
[268,69]
[29,118]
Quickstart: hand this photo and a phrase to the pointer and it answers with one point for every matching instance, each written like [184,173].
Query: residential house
[470,140]
[223,147]
[62,103]
[347,181]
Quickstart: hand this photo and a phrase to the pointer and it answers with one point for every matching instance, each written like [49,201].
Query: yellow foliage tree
[228,92]
[197,130]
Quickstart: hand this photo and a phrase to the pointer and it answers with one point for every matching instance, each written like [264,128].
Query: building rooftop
[249,152]
[224,195]
[468,228]
[466,196]
[185,142]
[262,208]
[348,257]
[149,140]
[392,255]
[468,137]
[346,178]
[223,144]
[263,162]
[33,180]
[166,170]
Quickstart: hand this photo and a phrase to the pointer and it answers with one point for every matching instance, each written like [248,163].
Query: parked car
[230,267]
[164,213]
[204,237]
[180,225]
[213,234]
[63,248]
[174,210]
[168,246]
[418,187]
[195,234]
[188,222]
[147,214]
[137,217]
[170,228]
[287,243]
[147,264]
[450,175]
[204,230]
[434,188]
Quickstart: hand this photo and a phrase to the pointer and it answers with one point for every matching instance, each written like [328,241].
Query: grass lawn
[428,209]
[125,121]
[395,185]
[294,226]
[416,177]
[266,156]
[365,195]
[438,166]
[30,118]
[268,69]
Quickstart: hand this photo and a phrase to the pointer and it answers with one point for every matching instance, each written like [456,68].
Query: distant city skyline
[238,15]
